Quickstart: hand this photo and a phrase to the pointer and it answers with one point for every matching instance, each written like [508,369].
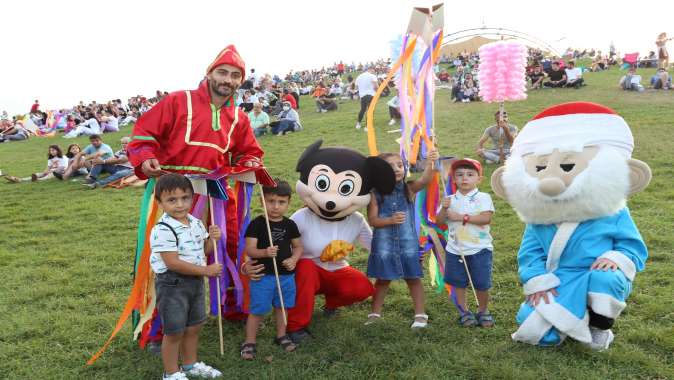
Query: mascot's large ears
[380,175]
[640,176]
[497,182]
[311,149]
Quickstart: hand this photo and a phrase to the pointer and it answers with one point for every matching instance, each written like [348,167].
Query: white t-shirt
[471,238]
[60,162]
[365,84]
[573,74]
[317,233]
[190,245]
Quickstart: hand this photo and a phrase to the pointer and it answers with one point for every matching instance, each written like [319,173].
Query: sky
[61,52]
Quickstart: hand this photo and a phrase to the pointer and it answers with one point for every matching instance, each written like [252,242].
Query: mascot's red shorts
[342,287]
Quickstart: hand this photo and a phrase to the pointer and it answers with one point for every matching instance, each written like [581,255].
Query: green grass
[66,255]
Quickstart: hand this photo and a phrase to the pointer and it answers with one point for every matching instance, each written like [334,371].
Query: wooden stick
[442,179]
[217,279]
[501,136]
[271,243]
[465,264]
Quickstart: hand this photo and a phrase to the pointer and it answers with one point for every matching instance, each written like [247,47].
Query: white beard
[599,190]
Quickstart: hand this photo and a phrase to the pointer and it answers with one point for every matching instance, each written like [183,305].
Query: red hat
[228,56]
[572,126]
[468,162]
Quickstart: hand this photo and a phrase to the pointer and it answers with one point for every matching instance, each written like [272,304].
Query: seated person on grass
[118,166]
[661,80]
[325,104]
[537,75]
[556,76]
[501,135]
[97,150]
[574,75]
[89,127]
[631,81]
[56,162]
[288,121]
[14,133]
[259,120]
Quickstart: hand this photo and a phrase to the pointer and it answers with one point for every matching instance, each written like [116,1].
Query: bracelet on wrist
[466,219]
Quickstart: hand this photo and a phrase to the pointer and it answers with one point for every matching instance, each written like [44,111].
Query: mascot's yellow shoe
[336,250]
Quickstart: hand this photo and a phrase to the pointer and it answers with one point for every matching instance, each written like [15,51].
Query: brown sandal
[286,343]
[248,351]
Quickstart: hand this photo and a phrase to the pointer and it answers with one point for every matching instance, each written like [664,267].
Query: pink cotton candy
[502,71]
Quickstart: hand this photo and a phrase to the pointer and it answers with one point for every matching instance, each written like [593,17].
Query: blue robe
[560,257]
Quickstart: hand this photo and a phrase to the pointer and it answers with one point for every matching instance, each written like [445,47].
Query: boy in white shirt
[179,243]
[468,213]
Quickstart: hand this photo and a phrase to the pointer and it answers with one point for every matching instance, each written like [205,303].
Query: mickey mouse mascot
[334,183]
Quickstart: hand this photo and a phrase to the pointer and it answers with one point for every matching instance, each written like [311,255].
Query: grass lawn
[66,254]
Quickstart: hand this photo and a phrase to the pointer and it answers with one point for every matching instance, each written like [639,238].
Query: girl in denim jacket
[395,244]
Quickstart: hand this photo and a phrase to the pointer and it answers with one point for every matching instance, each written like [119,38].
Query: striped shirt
[190,244]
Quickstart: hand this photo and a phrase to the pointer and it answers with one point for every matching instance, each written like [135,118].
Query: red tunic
[180,133]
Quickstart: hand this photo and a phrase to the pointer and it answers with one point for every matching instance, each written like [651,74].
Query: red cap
[469,162]
[228,56]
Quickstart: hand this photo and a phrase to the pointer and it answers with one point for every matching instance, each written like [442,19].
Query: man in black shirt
[556,76]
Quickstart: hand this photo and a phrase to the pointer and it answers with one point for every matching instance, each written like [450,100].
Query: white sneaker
[176,376]
[601,339]
[324,111]
[357,125]
[393,121]
[201,369]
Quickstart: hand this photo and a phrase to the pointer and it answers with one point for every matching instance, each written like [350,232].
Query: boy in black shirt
[287,248]
[537,76]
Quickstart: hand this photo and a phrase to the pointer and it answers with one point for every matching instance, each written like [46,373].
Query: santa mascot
[568,178]
[334,183]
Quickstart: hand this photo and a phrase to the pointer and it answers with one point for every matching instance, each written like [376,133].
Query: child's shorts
[479,264]
[264,294]
[180,301]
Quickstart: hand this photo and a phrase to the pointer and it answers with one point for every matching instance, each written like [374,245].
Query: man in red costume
[197,131]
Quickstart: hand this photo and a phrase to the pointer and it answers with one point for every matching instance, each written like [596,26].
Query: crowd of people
[272,103]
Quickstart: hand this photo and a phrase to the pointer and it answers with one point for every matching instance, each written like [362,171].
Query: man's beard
[599,190]
[222,89]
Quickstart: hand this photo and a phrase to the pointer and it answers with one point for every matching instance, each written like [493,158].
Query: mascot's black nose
[330,205]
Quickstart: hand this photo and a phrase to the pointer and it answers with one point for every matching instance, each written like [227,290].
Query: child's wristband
[466,219]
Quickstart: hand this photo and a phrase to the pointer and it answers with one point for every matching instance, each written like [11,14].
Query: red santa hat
[573,126]
[228,56]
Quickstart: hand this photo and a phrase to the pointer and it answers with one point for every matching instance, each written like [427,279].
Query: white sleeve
[163,240]
[298,218]
[365,234]
[486,204]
